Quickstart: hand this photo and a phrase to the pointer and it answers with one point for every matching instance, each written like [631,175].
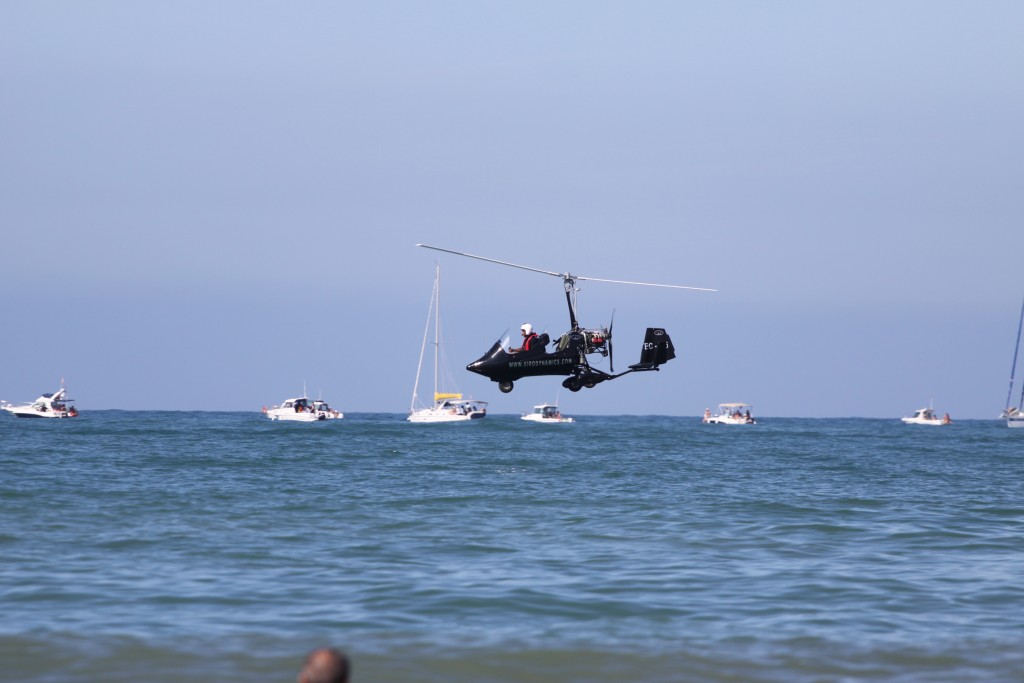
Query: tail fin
[657,349]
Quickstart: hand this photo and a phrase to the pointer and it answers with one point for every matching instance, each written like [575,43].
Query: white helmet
[527,328]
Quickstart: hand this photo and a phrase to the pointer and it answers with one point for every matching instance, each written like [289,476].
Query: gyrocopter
[569,352]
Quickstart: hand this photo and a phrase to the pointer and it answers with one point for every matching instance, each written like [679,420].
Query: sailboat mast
[1013,368]
[437,320]
[423,347]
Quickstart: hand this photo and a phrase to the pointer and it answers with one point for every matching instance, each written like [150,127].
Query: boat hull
[547,420]
[726,420]
[289,415]
[432,415]
[32,413]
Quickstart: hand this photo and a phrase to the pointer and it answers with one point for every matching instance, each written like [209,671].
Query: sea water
[181,546]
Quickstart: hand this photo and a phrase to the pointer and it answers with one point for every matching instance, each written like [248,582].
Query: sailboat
[1014,414]
[448,406]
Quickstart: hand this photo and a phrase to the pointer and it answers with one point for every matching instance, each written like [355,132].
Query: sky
[208,206]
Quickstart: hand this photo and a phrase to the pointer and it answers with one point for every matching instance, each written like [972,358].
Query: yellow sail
[439,396]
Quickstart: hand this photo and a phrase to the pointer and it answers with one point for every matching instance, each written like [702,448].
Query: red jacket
[526,343]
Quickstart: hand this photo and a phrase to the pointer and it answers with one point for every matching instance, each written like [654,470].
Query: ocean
[183,546]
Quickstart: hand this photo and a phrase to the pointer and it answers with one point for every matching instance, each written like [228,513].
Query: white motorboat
[302,410]
[730,414]
[547,413]
[56,404]
[448,406]
[927,416]
[1015,414]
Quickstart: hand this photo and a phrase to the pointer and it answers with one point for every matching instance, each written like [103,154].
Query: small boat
[448,406]
[547,413]
[1014,414]
[302,410]
[730,414]
[56,404]
[927,416]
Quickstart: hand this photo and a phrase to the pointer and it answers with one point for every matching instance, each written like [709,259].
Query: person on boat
[529,339]
[707,414]
[946,419]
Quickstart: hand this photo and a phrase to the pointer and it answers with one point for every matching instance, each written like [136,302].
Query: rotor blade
[645,284]
[491,260]
[564,276]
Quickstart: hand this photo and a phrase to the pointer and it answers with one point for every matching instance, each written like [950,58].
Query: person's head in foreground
[325,665]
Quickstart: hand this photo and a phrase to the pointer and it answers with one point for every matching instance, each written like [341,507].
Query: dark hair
[325,665]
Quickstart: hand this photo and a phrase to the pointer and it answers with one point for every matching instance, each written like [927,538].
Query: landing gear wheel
[574,384]
[590,384]
[505,387]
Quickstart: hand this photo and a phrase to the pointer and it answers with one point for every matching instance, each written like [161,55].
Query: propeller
[611,355]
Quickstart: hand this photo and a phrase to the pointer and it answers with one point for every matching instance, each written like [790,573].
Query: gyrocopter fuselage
[568,354]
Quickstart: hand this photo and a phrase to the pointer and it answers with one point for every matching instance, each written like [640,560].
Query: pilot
[529,337]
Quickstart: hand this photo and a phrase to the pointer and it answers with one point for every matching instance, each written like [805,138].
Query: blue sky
[205,205]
